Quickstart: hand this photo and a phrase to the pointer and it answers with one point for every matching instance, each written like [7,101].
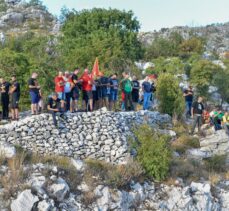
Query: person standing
[59,85]
[4,90]
[114,91]
[87,83]
[188,95]
[34,93]
[135,92]
[127,88]
[197,112]
[67,89]
[146,88]
[15,97]
[104,90]
[75,91]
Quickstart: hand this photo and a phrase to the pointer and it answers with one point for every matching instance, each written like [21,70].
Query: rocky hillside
[18,17]
[217,35]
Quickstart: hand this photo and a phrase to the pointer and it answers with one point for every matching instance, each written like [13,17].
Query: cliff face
[18,17]
[217,35]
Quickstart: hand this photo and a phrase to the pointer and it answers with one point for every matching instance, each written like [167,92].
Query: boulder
[7,150]
[59,190]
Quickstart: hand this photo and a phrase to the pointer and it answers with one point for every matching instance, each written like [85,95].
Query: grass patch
[14,179]
[185,142]
[216,163]
[115,176]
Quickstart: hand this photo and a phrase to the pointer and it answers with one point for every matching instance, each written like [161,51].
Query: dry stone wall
[99,135]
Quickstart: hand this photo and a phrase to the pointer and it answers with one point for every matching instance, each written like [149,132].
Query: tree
[164,47]
[192,45]
[221,81]
[202,75]
[170,95]
[110,35]
[171,65]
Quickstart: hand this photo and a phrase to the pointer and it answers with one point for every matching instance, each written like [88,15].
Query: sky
[156,14]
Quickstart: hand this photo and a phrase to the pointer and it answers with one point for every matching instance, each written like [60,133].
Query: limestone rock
[24,202]
[59,189]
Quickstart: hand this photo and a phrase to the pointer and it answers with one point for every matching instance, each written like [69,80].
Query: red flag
[95,71]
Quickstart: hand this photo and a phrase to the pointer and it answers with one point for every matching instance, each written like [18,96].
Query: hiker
[4,90]
[75,92]
[104,91]
[135,92]
[34,93]
[146,88]
[87,83]
[188,95]
[226,122]
[216,117]
[113,92]
[55,107]
[59,85]
[15,96]
[196,113]
[127,88]
[67,89]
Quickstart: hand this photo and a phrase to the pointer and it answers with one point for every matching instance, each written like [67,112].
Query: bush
[169,95]
[153,152]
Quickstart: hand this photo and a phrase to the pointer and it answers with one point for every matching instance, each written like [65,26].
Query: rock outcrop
[100,135]
[214,144]
[145,196]
[216,35]
[20,17]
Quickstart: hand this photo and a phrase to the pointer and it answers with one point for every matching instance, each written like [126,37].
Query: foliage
[221,81]
[169,95]
[172,65]
[3,6]
[153,152]
[110,35]
[202,74]
[29,53]
[192,45]
[36,3]
[174,46]
[164,47]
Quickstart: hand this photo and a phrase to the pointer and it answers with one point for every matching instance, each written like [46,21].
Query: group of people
[95,91]
[213,117]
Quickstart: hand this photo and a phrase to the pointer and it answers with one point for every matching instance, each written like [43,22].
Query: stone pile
[99,135]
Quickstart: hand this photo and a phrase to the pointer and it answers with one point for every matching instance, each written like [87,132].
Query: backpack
[127,86]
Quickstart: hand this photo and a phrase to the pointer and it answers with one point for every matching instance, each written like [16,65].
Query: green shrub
[153,152]
[169,95]
[216,163]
